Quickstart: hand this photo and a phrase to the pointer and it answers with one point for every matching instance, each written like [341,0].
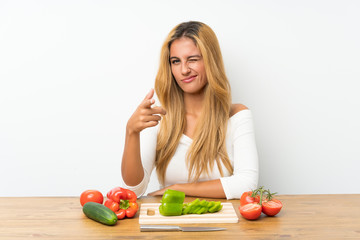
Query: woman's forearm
[131,167]
[145,116]
[209,189]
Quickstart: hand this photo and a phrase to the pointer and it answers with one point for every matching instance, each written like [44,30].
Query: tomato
[272,207]
[246,198]
[91,196]
[250,211]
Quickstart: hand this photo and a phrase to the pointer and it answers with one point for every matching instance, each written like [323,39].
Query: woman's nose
[185,69]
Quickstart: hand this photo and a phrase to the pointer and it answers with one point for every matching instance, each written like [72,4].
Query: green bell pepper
[200,207]
[172,203]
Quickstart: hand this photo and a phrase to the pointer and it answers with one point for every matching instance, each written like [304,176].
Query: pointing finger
[147,103]
[150,94]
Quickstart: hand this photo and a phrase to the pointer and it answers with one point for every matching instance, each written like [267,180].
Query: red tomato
[246,198]
[91,196]
[250,211]
[272,207]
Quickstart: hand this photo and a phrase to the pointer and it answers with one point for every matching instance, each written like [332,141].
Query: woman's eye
[193,60]
[174,61]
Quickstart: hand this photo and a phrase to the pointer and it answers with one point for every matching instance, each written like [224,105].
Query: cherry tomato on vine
[91,196]
[247,198]
[271,207]
[250,211]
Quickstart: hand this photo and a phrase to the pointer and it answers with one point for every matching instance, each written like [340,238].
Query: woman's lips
[189,79]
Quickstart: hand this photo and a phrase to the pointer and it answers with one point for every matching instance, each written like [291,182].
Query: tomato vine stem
[262,192]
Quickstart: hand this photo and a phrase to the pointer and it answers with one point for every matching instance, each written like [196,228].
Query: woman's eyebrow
[192,56]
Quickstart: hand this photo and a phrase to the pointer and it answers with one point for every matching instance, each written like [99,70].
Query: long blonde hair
[208,144]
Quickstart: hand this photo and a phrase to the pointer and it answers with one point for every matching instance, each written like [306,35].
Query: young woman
[204,144]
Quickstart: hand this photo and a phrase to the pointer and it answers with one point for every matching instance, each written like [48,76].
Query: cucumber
[100,213]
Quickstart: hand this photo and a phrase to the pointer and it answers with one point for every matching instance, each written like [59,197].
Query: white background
[72,72]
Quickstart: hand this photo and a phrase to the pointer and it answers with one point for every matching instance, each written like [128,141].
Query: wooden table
[302,217]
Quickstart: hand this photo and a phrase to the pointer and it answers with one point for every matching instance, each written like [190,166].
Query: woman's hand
[145,116]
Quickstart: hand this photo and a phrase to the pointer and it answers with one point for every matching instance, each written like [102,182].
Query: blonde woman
[198,141]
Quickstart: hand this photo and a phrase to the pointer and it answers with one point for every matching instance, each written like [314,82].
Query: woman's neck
[193,104]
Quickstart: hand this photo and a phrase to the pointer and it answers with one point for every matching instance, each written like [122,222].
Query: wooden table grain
[302,217]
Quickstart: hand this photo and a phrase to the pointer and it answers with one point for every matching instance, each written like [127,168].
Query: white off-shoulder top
[241,148]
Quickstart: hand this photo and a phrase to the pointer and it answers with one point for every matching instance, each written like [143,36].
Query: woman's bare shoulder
[237,107]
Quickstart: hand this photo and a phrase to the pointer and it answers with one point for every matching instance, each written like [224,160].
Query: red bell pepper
[122,202]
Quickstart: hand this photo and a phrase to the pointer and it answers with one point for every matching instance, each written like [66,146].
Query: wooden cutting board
[226,215]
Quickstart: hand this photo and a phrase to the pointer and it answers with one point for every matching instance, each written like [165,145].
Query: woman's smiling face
[187,66]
